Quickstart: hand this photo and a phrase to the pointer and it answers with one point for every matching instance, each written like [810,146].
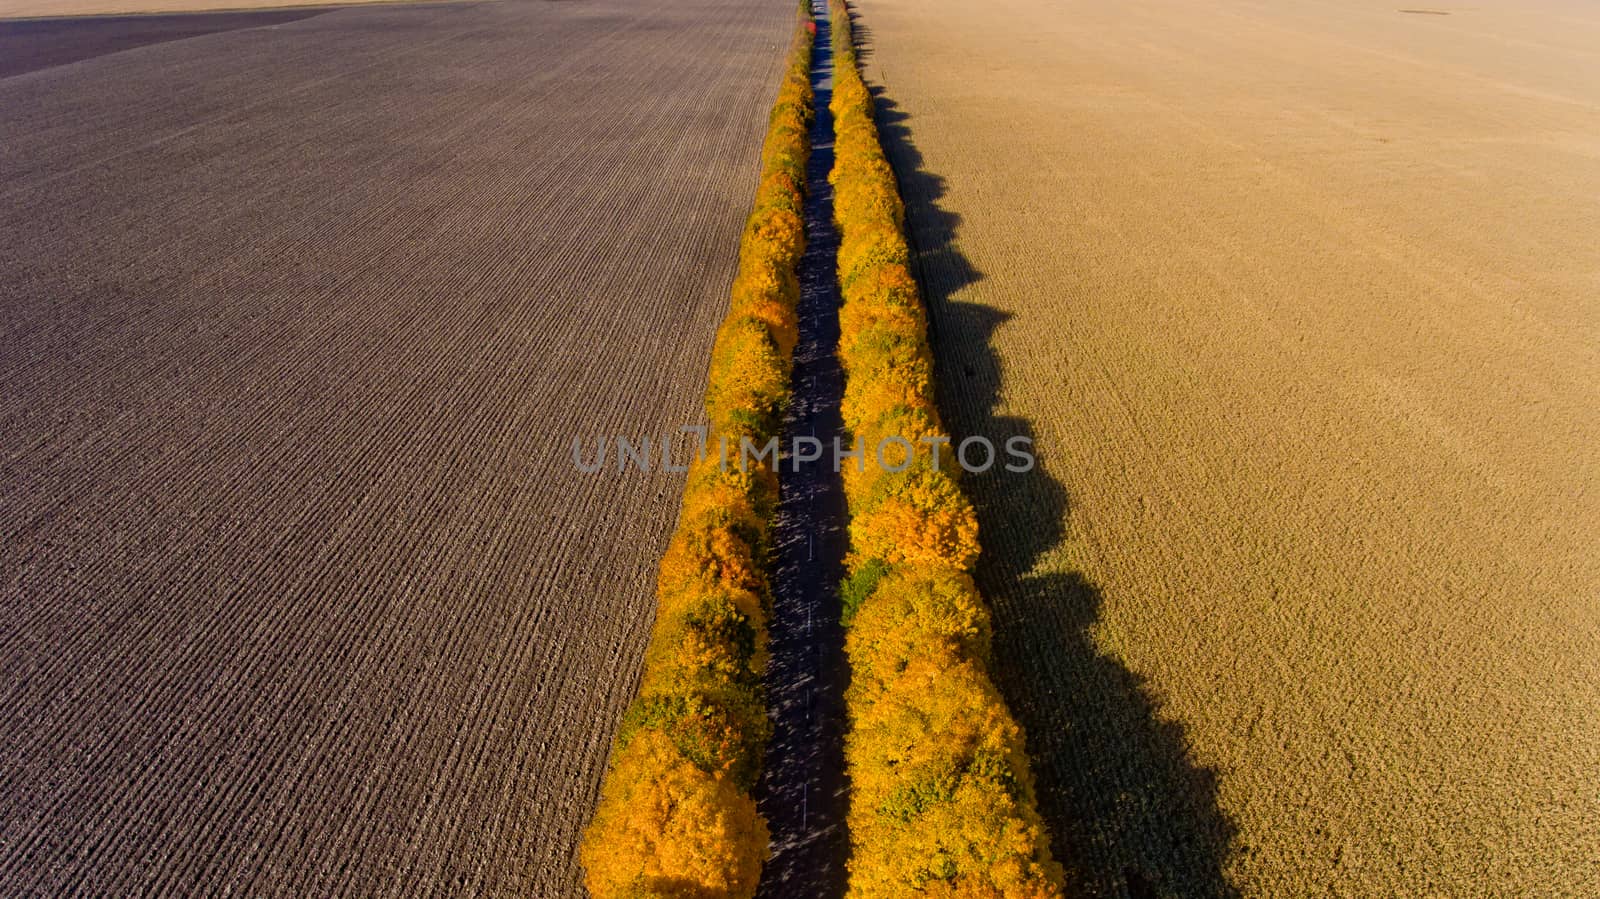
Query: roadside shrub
[885,287]
[716,485]
[900,376]
[720,731]
[858,585]
[749,379]
[775,233]
[877,243]
[942,798]
[708,637]
[909,423]
[711,551]
[664,827]
[916,518]
[780,190]
[913,611]
[675,818]
[942,802]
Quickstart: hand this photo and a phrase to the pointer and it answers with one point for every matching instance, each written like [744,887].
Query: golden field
[1299,301]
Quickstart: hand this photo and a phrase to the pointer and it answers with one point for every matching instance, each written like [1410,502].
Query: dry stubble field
[1300,301]
[299,592]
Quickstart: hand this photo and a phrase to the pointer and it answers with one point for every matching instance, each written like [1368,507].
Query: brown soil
[41,43]
[300,593]
[48,9]
[1299,301]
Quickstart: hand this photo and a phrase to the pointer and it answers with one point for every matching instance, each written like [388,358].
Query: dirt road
[300,593]
[1300,302]
[803,793]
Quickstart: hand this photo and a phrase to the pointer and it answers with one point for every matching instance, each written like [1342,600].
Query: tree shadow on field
[1130,814]
[860,34]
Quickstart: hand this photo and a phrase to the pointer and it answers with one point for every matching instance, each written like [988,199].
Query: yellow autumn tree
[675,817]
[666,828]
[942,802]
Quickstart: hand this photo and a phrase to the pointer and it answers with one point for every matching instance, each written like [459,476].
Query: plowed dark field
[29,44]
[300,592]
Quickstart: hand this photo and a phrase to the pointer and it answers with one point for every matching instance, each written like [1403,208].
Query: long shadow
[1130,813]
[861,35]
